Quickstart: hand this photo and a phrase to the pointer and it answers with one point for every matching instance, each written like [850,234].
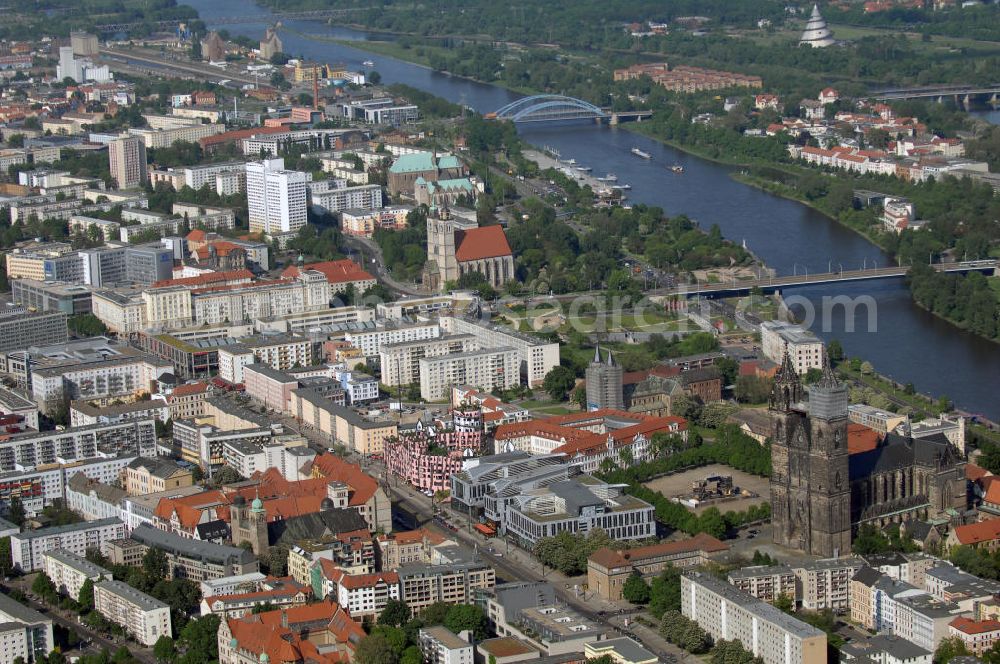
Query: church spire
[829,379]
[787,388]
[597,353]
[611,359]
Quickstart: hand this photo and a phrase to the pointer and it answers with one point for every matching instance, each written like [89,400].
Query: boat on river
[639,153]
[610,177]
[677,168]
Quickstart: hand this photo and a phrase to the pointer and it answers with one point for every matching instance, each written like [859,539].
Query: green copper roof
[422,161]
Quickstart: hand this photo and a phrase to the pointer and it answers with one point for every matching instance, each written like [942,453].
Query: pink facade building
[269,386]
[428,455]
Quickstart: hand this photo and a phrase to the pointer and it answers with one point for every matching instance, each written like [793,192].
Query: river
[905,342]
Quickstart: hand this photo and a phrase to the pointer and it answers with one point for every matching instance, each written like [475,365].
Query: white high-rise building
[276,197]
[816,33]
[127,159]
[68,65]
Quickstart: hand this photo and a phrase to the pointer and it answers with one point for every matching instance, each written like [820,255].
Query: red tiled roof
[580,441]
[189,389]
[976,533]
[197,235]
[969,626]
[239,134]
[207,278]
[222,248]
[974,473]
[291,635]
[860,438]
[283,499]
[336,272]
[479,243]
[701,542]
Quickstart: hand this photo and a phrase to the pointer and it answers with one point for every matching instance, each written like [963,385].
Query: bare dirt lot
[680,485]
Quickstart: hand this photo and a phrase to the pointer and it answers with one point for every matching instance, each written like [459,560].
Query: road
[376,262]
[68,620]
[514,564]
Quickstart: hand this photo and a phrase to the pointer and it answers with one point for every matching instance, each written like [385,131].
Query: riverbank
[784,191]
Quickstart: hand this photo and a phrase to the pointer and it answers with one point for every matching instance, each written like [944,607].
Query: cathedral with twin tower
[822,493]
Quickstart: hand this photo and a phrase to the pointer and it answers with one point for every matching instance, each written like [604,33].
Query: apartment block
[24,633]
[423,585]
[326,196]
[400,361]
[826,584]
[370,341]
[487,369]
[537,357]
[804,347]
[364,223]
[127,158]
[28,548]
[440,645]
[28,450]
[765,582]
[145,618]
[728,613]
[69,572]
[276,197]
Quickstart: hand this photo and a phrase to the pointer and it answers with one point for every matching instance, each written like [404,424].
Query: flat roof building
[728,613]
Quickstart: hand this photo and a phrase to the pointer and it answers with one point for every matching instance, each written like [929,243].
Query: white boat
[610,177]
[584,169]
[639,153]
[677,168]
[621,187]
[571,162]
[368,63]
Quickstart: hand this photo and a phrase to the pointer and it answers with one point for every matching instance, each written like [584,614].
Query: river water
[903,342]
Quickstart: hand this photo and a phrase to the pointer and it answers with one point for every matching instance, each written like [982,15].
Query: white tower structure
[816,33]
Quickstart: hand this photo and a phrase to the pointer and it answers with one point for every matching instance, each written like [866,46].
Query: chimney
[315,88]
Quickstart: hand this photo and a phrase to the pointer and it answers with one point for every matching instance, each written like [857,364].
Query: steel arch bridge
[545,108]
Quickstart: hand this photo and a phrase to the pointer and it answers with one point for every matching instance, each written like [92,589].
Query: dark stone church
[821,494]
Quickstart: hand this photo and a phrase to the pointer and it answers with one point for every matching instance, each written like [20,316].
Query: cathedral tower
[829,473]
[810,483]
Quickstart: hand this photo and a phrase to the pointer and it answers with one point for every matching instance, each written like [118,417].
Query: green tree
[785,603]
[559,381]
[835,351]
[866,368]
[411,655]
[201,636]
[435,614]
[16,512]
[467,617]
[948,649]
[635,589]
[395,613]
[86,597]
[43,586]
[154,564]
[375,649]
[665,592]
[164,649]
